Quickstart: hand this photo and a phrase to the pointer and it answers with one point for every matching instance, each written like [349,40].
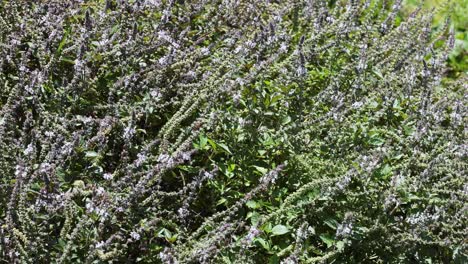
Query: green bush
[230,132]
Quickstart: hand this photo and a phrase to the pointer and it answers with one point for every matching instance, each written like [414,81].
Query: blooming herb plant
[172,131]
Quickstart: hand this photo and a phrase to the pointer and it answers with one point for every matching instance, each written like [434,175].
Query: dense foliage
[457,10]
[224,131]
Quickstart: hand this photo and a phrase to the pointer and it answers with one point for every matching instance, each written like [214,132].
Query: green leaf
[212,143]
[79,184]
[327,239]
[254,217]
[377,73]
[285,120]
[385,171]
[279,230]
[373,105]
[91,154]
[376,140]
[331,223]
[171,238]
[276,97]
[262,170]
[203,141]
[63,41]
[67,60]
[274,260]
[252,204]
[221,201]
[263,243]
[114,29]
[225,148]
[409,130]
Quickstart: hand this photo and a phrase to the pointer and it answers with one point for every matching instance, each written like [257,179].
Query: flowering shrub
[229,132]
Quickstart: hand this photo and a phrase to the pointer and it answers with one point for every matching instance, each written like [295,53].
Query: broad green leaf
[225,147]
[327,239]
[279,230]
[286,120]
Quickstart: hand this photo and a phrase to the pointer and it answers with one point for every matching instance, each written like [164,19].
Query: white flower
[361,65]
[153,3]
[343,183]
[45,167]
[357,105]
[128,132]
[204,51]
[238,49]
[415,219]
[240,81]
[135,235]
[390,200]
[20,171]
[250,44]
[283,48]
[242,121]
[140,160]
[289,260]
[186,156]
[156,94]
[102,213]
[397,180]
[344,230]
[183,212]
[15,42]
[236,98]
[103,42]
[163,60]
[301,71]
[100,191]
[162,35]
[166,256]
[29,149]
[426,73]
[90,207]
[383,26]
[100,244]
[191,74]
[78,65]
[208,175]
[166,160]
[108,176]
[253,232]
